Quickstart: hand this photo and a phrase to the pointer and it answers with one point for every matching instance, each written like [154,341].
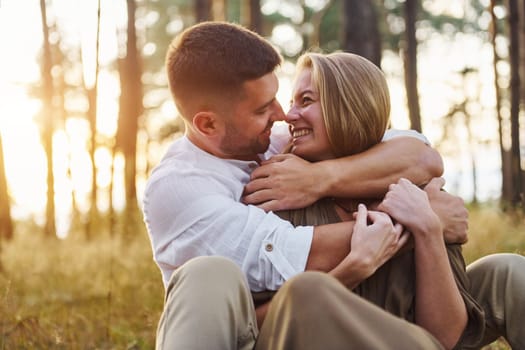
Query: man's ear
[206,123]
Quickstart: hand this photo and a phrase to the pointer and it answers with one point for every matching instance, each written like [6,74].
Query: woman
[340,106]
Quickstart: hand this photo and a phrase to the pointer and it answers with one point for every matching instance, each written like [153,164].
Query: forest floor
[106,293]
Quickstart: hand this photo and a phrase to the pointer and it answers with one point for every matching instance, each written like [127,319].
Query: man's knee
[207,272]
[204,264]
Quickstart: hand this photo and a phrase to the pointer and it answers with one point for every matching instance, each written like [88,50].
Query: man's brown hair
[215,59]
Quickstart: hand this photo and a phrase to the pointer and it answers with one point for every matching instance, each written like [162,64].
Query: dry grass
[107,294]
[73,294]
[493,231]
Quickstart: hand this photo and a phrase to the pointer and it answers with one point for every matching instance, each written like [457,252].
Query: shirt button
[269,247]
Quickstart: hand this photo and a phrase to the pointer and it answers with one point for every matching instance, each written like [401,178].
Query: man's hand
[283,182]
[451,211]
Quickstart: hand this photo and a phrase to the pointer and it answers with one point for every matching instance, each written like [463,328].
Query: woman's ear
[206,123]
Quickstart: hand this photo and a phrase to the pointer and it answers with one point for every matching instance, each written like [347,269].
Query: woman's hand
[375,239]
[439,305]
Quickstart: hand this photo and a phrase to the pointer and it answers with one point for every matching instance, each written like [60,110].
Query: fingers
[277,158]
[362,214]
[256,198]
[255,186]
[398,229]
[435,184]
[267,166]
[403,239]
[260,173]
[272,205]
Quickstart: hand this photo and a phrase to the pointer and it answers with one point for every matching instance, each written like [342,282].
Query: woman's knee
[307,286]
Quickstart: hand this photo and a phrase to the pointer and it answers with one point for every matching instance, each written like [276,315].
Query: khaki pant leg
[208,306]
[314,311]
[498,284]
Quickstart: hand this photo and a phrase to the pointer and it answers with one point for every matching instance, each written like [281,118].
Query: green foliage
[430,23]
[330,29]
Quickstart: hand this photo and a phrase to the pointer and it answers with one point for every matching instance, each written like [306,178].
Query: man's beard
[235,144]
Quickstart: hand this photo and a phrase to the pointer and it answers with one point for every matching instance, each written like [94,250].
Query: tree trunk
[254,15]
[220,10]
[47,132]
[6,223]
[92,92]
[522,49]
[316,20]
[203,10]
[131,108]
[360,30]
[506,179]
[410,63]
[514,56]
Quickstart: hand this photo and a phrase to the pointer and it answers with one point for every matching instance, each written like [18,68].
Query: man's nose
[278,114]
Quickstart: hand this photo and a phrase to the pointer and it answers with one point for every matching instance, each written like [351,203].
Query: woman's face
[309,136]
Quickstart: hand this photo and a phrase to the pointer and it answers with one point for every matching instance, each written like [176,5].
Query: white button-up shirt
[191,208]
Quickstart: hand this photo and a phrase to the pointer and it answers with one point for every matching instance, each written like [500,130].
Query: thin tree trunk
[521,12]
[6,222]
[410,63]
[514,55]
[112,216]
[203,10]
[220,10]
[47,111]
[361,31]
[471,150]
[130,110]
[92,93]
[522,90]
[505,167]
[254,16]
[315,20]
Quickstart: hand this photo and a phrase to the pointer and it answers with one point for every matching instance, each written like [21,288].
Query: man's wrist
[327,175]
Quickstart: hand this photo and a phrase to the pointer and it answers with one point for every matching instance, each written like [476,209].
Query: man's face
[247,129]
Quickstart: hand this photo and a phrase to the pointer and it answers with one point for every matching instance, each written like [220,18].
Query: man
[191,207]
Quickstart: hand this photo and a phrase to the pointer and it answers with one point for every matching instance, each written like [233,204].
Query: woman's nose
[292,115]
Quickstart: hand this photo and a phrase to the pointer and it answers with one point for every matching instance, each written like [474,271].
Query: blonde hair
[354,97]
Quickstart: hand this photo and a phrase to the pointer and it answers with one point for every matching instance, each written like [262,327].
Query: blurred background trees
[142,119]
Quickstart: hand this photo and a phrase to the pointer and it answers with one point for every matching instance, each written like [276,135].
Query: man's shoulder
[188,174]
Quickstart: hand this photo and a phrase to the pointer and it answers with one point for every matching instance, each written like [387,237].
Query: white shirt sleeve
[392,133]
[196,215]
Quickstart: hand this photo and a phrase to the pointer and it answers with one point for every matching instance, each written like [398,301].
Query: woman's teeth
[302,132]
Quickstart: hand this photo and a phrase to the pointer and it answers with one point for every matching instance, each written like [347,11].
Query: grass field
[108,294]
